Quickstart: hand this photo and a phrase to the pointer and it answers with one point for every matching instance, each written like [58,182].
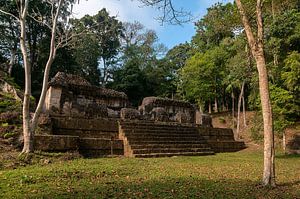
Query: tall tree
[257,48]
[57,40]
[103,34]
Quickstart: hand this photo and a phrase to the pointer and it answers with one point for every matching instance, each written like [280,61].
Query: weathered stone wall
[291,142]
[56,142]
[172,107]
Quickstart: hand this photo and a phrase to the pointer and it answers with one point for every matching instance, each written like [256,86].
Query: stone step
[227,146]
[169,150]
[179,131]
[169,134]
[159,127]
[157,138]
[153,155]
[156,125]
[176,145]
[86,134]
[163,136]
[100,124]
[167,142]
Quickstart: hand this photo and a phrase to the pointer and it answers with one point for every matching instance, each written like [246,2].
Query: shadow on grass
[287,156]
[288,184]
[188,187]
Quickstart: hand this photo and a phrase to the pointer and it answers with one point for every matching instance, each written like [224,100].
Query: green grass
[227,175]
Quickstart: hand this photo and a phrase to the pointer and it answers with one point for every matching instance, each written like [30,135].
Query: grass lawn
[227,175]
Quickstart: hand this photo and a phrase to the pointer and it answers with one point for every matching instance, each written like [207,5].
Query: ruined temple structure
[97,121]
[71,95]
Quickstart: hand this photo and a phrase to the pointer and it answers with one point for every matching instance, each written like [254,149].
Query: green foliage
[257,128]
[222,120]
[291,73]
[141,73]
[214,26]
[26,179]
[10,135]
[9,104]
[100,45]
[4,124]
[131,80]
[202,76]
[283,108]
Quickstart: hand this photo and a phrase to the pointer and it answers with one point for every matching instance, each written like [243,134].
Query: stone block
[206,120]
[130,113]
[93,147]
[99,124]
[100,144]
[182,117]
[55,142]
[159,114]
[291,142]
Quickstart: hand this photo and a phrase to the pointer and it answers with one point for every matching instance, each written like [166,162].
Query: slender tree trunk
[239,110]
[244,110]
[51,58]
[13,52]
[104,71]
[232,108]
[209,107]
[216,105]
[269,149]
[27,133]
[257,49]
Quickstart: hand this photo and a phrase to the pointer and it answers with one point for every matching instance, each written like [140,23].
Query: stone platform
[98,121]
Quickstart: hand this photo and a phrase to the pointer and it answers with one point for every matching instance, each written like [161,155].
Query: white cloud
[125,10]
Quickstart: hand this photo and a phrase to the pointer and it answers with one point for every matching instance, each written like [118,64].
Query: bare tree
[57,40]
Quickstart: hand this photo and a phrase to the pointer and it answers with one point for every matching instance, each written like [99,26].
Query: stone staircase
[149,139]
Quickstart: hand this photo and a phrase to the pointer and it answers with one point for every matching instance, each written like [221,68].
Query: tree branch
[246,23]
[169,13]
[9,14]
[260,31]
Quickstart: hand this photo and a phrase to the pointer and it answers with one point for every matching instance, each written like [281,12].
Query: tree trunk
[239,110]
[232,108]
[269,150]
[216,105]
[244,110]
[13,52]
[51,58]
[27,133]
[104,72]
[209,107]
[257,49]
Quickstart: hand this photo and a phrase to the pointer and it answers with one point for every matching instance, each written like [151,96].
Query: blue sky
[133,10]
